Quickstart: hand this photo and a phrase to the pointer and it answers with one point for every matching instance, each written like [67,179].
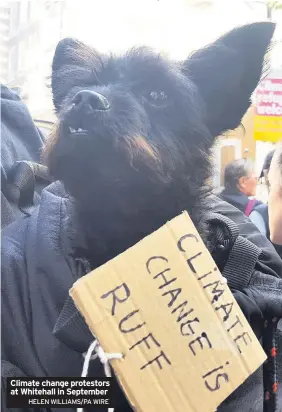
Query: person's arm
[257,220]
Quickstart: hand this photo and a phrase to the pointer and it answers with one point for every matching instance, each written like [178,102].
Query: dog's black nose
[91,100]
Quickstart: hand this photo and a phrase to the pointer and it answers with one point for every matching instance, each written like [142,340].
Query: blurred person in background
[275,197]
[259,216]
[266,167]
[240,182]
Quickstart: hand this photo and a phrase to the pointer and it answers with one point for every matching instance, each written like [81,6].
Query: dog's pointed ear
[65,52]
[65,56]
[70,56]
[227,72]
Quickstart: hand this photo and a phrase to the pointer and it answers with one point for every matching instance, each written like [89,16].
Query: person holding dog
[240,182]
[275,197]
[259,215]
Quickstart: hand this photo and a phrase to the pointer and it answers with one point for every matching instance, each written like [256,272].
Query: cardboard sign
[268,116]
[165,306]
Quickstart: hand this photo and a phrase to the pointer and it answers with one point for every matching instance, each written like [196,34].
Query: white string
[104,359]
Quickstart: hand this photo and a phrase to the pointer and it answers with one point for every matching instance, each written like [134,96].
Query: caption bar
[60,392]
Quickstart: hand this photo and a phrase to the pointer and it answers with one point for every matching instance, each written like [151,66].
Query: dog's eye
[157,96]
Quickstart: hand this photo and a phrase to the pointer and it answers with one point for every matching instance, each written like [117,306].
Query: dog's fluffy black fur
[145,159]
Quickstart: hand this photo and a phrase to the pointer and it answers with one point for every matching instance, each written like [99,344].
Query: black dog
[132,148]
[133,140]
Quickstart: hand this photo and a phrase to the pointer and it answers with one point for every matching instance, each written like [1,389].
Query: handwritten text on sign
[166,307]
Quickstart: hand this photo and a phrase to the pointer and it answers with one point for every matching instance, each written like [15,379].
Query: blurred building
[4,48]
[31,31]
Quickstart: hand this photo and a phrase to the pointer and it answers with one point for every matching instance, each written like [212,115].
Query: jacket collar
[71,328]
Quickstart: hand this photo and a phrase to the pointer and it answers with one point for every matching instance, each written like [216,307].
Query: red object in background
[268,98]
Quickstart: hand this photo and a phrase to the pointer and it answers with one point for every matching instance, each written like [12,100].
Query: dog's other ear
[227,72]
[65,53]
[70,59]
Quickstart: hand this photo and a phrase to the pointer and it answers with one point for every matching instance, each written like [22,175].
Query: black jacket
[44,335]
[236,198]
